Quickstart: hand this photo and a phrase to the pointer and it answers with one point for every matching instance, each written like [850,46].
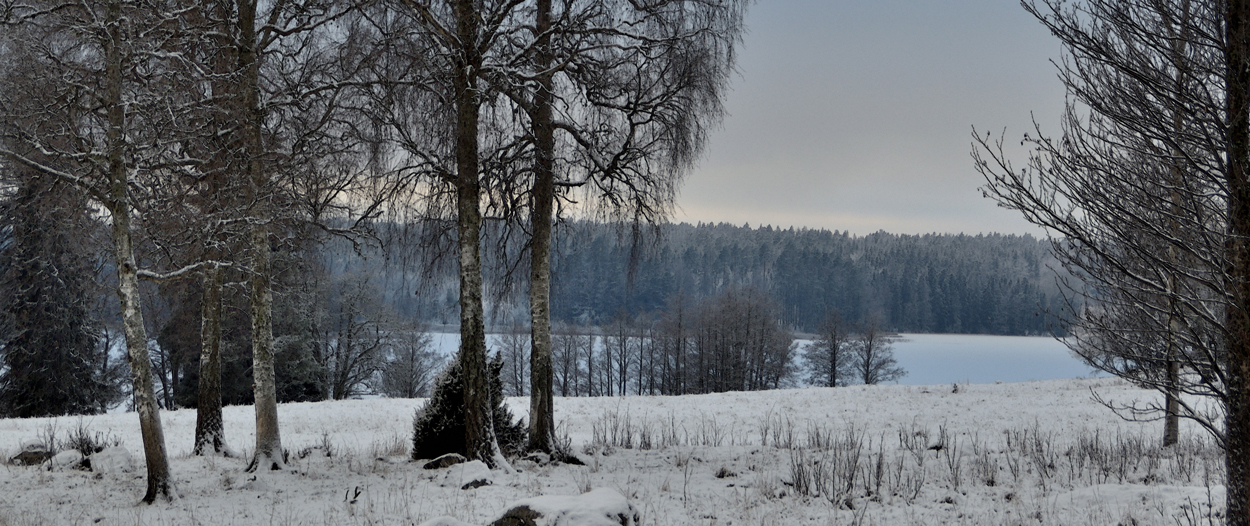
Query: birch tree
[1145,194]
[303,157]
[872,350]
[618,97]
[436,110]
[96,70]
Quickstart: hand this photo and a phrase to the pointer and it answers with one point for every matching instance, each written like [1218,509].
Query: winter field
[1012,453]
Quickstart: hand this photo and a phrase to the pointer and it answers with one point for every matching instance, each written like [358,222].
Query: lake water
[932,359]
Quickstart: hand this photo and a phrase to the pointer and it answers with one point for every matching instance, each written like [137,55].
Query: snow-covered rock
[444,461]
[468,475]
[33,453]
[598,507]
[113,460]
[67,459]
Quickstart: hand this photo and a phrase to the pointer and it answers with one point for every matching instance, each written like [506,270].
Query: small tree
[873,350]
[438,427]
[567,349]
[829,358]
[357,336]
[513,346]
[410,369]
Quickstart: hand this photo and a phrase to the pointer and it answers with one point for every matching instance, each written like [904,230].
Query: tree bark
[478,430]
[1237,24]
[268,440]
[209,431]
[542,425]
[159,482]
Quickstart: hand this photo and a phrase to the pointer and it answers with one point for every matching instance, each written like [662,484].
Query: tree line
[942,283]
[936,283]
[733,341]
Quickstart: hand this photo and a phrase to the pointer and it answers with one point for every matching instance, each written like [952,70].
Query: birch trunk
[542,426]
[478,432]
[264,388]
[268,441]
[210,434]
[159,482]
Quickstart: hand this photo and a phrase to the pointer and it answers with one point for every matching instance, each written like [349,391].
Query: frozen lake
[948,358]
[979,359]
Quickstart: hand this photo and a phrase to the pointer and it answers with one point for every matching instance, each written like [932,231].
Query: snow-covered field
[1012,453]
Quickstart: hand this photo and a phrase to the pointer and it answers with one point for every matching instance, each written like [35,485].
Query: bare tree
[829,358]
[357,336]
[619,355]
[304,156]
[621,112]
[568,346]
[409,371]
[1146,198]
[873,351]
[441,112]
[513,347]
[95,51]
[738,343]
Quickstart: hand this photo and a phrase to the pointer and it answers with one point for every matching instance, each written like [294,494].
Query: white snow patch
[678,476]
[444,521]
[598,507]
[113,460]
[66,459]
[465,473]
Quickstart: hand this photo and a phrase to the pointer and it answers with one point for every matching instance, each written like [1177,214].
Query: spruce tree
[48,338]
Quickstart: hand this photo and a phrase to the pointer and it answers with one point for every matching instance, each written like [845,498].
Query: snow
[113,460]
[459,475]
[66,459]
[597,507]
[730,458]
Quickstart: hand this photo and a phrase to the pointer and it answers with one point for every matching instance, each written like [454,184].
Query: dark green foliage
[438,428]
[178,342]
[299,377]
[988,284]
[52,363]
[942,283]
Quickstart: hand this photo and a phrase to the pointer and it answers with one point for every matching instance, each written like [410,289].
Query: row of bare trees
[213,133]
[734,341]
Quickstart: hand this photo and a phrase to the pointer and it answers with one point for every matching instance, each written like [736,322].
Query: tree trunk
[264,388]
[268,440]
[479,436]
[159,482]
[209,431]
[542,425]
[1237,24]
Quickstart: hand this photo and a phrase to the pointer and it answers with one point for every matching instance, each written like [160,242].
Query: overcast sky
[857,115]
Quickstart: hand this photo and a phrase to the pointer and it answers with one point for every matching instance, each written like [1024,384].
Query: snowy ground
[1014,453]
